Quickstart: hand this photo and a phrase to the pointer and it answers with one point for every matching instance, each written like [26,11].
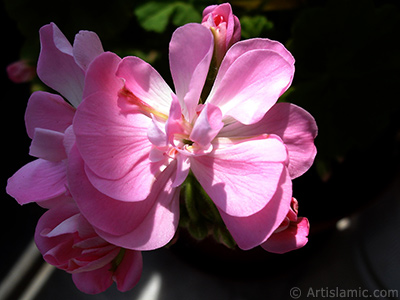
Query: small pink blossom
[291,234]
[137,140]
[20,71]
[67,241]
[225,27]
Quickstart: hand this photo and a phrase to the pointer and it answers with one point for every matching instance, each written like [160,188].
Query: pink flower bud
[68,242]
[225,27]
[20,71]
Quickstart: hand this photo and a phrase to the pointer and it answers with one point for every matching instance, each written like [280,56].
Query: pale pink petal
[294,237]
[64,226]
[38,180]
[190,53]
[100,76]
[87,46]
[298,135]
[244,46]
[207,126]
[156,133]
[114,145]
[56,65]
[69,139]
[295,126]
[48,144]
[143,225]
[251,85]
[251,231]
[182,170]
[159,226]
[174,124]
[94,282]
[105,213]
[48,111]
[129,270]
[234,173]
[48,221]
[134,186]
[144,82]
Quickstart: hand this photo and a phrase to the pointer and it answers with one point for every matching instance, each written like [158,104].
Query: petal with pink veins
[234,172]
[190,53]
[100,76]
[295,126]
[115,146]
[143,225]
[244,46]
[103,212]
[251,85]
[145,83]
[251,231]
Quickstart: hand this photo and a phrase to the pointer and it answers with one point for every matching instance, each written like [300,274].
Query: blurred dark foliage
[347,74]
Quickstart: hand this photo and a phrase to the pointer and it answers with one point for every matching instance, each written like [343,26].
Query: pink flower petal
[129,270]
[234,173]
[295,126]
[87,46]
[298,134]
[38,180]
[190,53]
[251,85]
[207,126]
[94,282]
[294,237]
[50,220]
[242,47]
[251,231]
[100,76]
[47,111]
[48,144]
[144,82]
[182,170]
[159,226]
[143,225]
[101,211]
[56,65]
[115,147]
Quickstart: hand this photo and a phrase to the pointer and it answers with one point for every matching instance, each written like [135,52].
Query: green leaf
[185,13]
[155,16]
[254,26]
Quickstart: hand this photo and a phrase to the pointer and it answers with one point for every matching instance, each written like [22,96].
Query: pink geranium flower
[137,140]
[48,117]
[67,241]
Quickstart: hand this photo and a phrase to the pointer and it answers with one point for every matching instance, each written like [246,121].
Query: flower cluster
[113,162]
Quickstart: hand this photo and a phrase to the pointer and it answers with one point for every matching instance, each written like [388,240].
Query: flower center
[218,19]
